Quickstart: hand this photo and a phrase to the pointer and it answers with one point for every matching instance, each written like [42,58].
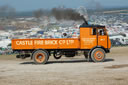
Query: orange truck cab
[93,41]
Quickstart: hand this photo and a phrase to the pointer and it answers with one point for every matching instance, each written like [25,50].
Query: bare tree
[11,13]
[38,13]
[7,11]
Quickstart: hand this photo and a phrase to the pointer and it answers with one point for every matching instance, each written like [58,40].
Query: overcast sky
[27,5]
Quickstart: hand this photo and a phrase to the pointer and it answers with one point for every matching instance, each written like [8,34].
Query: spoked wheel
[40,57]
[57,54]
[98,55]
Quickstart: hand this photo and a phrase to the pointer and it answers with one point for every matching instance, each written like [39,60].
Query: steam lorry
[93,41]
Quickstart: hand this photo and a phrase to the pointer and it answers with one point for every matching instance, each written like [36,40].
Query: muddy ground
[67,71]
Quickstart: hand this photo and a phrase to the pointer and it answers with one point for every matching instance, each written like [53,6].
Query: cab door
[102,37]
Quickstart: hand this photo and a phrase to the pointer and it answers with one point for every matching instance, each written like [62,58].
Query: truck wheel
[98,55]
[57,54]
[86,54]
[40,57]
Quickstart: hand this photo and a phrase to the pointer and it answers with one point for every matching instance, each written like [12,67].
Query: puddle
[119,79]
[117,66]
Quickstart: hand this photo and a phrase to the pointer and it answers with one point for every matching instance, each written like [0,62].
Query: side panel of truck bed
[68,43]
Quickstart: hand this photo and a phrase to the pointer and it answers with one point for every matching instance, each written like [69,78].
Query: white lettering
[23,42]
[50,42]
[38,42]
[62,42]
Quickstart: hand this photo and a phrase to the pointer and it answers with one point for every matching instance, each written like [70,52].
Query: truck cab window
[93,31]
[101,32]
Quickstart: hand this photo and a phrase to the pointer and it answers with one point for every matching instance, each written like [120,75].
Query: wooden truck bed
[63,43]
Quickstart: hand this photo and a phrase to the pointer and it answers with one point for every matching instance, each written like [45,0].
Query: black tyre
[57,54]
[86,54]
[98,55]
[40,57]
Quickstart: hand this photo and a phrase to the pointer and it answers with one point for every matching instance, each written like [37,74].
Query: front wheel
[98,55]
[40,57]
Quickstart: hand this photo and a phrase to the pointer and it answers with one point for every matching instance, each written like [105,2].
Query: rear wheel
[57,54]
[40,57]
[98,55]
[86,54]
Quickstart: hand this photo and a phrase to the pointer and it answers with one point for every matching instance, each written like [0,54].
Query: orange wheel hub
[98,55]
[40,57]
